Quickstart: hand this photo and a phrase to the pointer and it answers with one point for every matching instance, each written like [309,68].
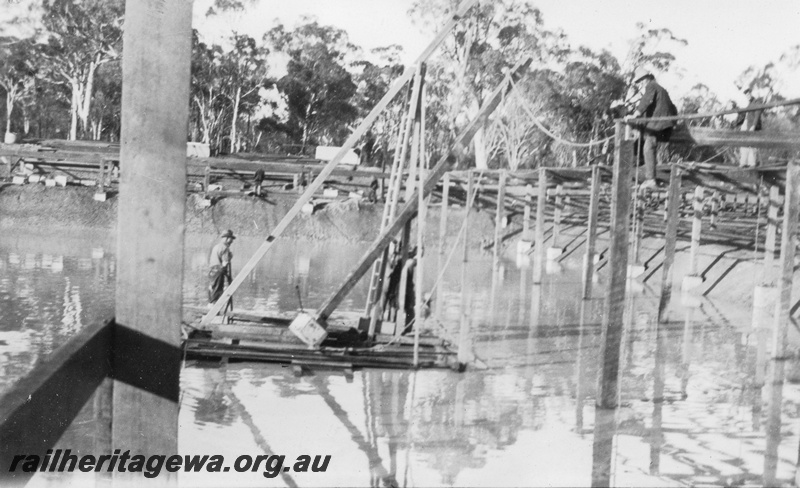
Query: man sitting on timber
[219,261]
[655,102]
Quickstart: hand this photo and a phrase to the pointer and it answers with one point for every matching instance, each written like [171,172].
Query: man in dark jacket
[749,121]
[655,102]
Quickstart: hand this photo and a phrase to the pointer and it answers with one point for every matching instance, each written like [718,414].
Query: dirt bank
[36,207]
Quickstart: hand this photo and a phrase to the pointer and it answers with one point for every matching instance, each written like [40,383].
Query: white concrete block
[524,246]
[554,252]
[214,187]
[19,180]
[691,282]
[330,192]
[308,208]
[308,330]
[98,253]
[635,270]
[101,196]
[61,180]
[49,182]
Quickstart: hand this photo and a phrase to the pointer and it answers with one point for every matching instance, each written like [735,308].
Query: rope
[526,107]
[677,118]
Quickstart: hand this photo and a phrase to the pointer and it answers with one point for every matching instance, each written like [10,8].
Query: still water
[692,410]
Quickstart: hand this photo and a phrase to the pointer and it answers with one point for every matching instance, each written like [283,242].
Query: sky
[724,36]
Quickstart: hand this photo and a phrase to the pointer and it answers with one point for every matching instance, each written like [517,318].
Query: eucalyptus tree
[491,38]
[82,35]
[17,73]
[243,69]
[318,87]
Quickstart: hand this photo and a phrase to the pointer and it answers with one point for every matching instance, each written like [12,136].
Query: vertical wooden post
[557,215]
[791,213]
[526,215]
[605,426]
[670,238]
[714,209]
[101,180]
[638,227]
[656,433]
[422,211]
[464,355]
[591,233]
[539,250]
[499,215]
[772,231]
[611,339]
[697,226]
[206,179]
[442,239]
[152,198]
[103,422]
[580,376]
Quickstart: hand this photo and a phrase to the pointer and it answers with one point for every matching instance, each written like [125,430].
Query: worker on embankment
[655,102]
[219,262]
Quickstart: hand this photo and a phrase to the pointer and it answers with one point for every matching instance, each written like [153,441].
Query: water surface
[692,410]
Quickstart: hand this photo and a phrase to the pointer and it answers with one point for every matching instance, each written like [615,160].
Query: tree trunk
[479,146]
[9,109]
[234,146]
[73,109]
[85,104]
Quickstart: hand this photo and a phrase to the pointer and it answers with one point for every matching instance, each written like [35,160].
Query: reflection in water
[691,387]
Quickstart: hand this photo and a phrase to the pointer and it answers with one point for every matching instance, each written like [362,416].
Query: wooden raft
[252,336]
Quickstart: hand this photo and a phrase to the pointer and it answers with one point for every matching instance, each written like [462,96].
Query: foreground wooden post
[591,233]
[791,213]
[611,340]
[464,354]
[540,251]
[155,113]
[670,238]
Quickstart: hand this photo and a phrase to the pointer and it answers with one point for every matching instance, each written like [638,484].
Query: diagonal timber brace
[328,169]
[411,206]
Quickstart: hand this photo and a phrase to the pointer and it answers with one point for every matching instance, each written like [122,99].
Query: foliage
[17,73]
[82,36]
[318,88]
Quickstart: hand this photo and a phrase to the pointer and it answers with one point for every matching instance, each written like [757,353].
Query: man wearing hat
[749,121]
[655,102]
[219,261]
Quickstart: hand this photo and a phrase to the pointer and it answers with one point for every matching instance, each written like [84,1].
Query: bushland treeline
[295,88]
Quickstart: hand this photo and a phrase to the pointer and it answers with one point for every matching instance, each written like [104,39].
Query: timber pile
[250,336]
